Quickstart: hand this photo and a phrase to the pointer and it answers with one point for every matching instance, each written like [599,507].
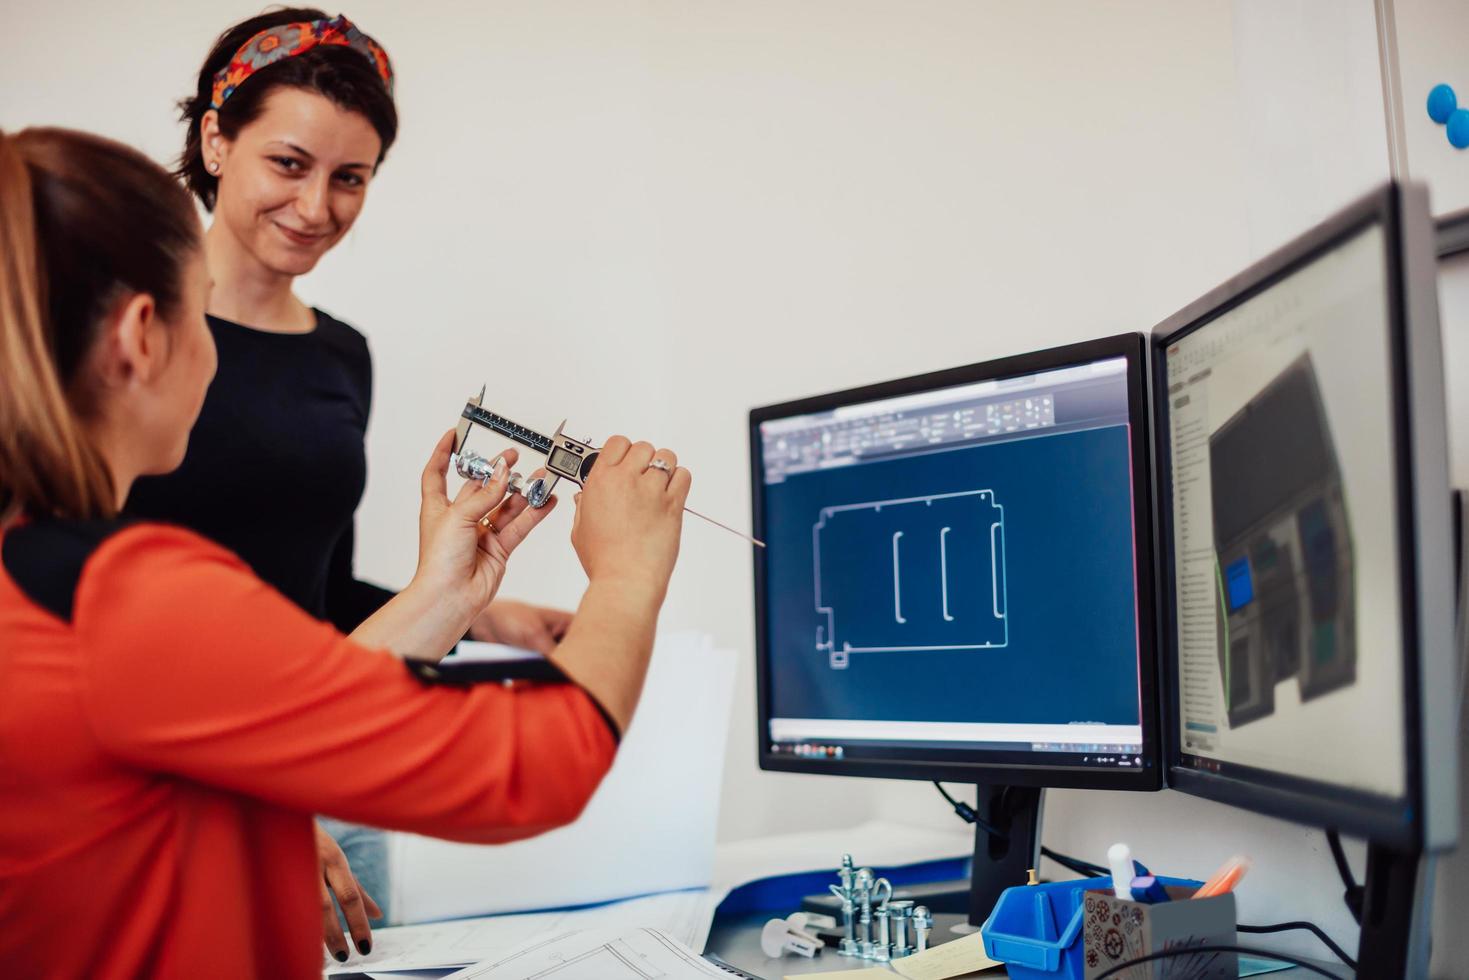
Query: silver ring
[658,464]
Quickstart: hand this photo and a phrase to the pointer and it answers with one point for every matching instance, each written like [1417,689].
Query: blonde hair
[83,222]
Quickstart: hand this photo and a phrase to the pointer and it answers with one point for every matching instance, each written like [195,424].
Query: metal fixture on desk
[902,915]
[877,928]
[863,888]
[881,949]
[847,894]
[922,926]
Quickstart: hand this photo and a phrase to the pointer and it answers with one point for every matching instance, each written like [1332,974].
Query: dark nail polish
[341,955]
[364,946]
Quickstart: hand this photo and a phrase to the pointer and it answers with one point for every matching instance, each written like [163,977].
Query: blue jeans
[366,849]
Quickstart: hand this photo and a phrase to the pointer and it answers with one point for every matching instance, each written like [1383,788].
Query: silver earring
[214,167]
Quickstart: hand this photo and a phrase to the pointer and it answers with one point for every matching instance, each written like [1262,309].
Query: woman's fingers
[477,498]
[678,485]
[373,911]
[511,531]
[438,465]
[558,621]
[613,451]
[661,467]
[331,929]
[638,456]
[505,513]
[353,901]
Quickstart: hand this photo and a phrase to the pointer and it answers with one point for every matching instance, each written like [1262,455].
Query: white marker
[1119,859]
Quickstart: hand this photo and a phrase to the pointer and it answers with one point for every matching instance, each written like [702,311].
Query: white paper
[598,954]
[649,828]
[951,959]
[686,916]
[478,652]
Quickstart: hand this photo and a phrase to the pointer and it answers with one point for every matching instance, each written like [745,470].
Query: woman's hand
[338,880]
[456,553]
[519,624]
[460,560]
[629,516]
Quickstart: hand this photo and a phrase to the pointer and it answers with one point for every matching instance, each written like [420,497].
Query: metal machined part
[846,893]
[922,926]
[863,887]
[848,944]
[882,945]
[473,466]
[902,915]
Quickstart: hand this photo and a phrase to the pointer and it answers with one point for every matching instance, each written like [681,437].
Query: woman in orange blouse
[168,723]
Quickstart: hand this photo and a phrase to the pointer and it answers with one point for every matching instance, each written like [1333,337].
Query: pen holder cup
[1116,930]
[1045,932]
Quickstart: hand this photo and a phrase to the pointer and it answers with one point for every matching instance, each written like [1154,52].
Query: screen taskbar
[1090,745]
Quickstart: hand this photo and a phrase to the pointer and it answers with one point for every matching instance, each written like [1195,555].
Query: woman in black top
[292,116]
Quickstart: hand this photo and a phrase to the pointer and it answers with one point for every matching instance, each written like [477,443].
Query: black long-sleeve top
[277,463]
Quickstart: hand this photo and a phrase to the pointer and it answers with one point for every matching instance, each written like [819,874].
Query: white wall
[695,207]
[1431,36]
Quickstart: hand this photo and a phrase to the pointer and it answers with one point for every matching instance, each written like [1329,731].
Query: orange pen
[1225,878]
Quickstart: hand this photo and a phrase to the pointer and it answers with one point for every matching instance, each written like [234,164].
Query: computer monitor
[958,584]
[1305,536]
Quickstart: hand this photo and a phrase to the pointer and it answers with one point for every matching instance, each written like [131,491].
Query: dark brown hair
[84,221]
[340,74]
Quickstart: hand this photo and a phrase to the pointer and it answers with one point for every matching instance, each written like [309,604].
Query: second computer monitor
[1306,533]
[957,581]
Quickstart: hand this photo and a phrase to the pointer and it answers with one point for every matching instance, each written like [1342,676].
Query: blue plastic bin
[1035,930]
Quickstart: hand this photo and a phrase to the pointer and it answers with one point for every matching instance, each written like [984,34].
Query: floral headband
[285,40]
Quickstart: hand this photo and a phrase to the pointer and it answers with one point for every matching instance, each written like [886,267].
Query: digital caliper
[566,458]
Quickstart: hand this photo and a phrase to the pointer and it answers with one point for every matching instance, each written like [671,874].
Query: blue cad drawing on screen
[911,574]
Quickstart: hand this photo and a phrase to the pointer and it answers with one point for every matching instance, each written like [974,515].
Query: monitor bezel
[1405,821]
[1132,347]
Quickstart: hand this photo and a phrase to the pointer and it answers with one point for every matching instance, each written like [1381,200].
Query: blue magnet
[1241,588]
[1441,103]
[1458,128]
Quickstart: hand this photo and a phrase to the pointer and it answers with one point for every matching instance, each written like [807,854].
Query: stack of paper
[598,954]
[683,916]
[649,828]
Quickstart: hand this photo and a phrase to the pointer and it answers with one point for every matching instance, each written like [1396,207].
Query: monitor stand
[1001,863]
[1397,897]
[1389,898]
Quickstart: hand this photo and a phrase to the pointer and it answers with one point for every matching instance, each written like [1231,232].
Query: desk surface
[737,941]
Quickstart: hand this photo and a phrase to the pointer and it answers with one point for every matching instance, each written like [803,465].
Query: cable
[1309,927]
[1354,893]
[1088,870]
[1075,865]
[966,813]
[1210,948]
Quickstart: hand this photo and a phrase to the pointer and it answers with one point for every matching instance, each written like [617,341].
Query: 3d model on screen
[946,590]
[1285,578]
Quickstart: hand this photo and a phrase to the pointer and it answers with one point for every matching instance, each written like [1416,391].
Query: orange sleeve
[193,666]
